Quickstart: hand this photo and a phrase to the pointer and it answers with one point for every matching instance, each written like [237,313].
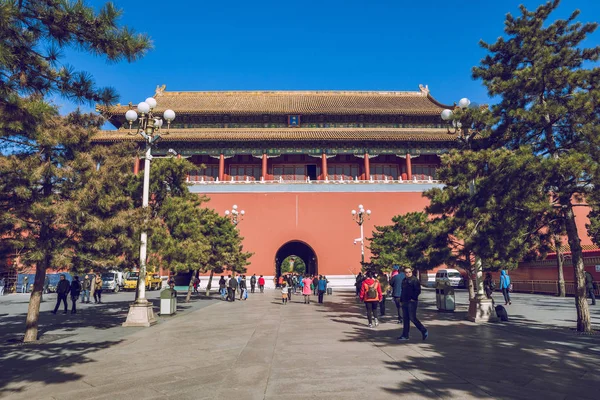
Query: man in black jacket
[62,290]
[411,289]
[75,291]
[233,285]
[252,283]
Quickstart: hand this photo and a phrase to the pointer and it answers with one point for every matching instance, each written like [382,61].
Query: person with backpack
[505,286]
[489,285]
[396,284]
[589,287]
[75,292]
[252,283]
[411,289]
[306,290]
[261,284]
[370,294]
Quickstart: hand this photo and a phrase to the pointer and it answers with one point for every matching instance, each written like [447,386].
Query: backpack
[372,291]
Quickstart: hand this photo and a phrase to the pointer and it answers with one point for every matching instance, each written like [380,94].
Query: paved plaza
[260,349]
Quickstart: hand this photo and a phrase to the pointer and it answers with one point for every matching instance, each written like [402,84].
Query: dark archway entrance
[298,249]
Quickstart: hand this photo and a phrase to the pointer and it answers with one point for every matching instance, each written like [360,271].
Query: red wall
[321,220]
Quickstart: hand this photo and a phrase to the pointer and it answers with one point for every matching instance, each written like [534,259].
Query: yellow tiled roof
[417,103]
[290,134]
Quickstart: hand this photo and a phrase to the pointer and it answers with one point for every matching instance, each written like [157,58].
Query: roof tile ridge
[294,92]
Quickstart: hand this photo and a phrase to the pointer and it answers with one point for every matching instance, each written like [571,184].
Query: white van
[453,276]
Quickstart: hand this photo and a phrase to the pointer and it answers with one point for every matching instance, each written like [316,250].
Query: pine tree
[550,105]
[42,154]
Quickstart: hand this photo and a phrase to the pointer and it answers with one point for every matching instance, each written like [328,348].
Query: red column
[323,167]
[408,168]
[221,167]
[136,165]
[264,167]
[367,168]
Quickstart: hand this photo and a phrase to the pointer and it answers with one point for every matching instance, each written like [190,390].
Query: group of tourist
[405,288]
[77,288]
[307,285]
[232,284]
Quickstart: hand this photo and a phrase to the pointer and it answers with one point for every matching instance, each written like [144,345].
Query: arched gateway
[299,249]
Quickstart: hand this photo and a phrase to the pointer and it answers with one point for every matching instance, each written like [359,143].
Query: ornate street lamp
[359,217]
[234,215]
[149,126]
[481,309]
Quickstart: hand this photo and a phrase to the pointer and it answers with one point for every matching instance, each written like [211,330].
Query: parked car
[452,276]
[113,281]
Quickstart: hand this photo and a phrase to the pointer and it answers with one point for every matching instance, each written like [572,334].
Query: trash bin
[168,302]
[444,297]
[329,291]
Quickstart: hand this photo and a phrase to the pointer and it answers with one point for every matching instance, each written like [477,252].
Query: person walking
[396,284]
[62,290]
[196,283]
[384,282]
[252,283]
[306,290]
[97,289]
[75,292]
[2,283]
[261,284]
[322,288]
[86,284]
[290,285]
[505,286]
[411,289]
[222,287]
[233,285]
[489,285]
[46,285]
[315,280]
[25,288]
[243,287]
[370,294]
[358,283]
[589,287]
[285,289]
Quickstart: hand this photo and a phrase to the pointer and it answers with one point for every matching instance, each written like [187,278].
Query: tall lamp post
[359,217]
[234,215]
[149,127]
[481,309]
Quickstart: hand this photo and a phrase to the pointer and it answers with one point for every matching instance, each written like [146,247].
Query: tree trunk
[583,311]
[208,285]
[562,291]
[190,288]
[33,311]
[471,285]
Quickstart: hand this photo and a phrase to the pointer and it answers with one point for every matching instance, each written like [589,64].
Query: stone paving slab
[260,349]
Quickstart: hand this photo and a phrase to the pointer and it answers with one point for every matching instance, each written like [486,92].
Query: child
[284,293]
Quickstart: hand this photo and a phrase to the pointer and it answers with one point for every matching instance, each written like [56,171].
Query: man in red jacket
[370,294]
[261,284]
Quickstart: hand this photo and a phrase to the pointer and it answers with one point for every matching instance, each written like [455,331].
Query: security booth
[168,302]
[445,299]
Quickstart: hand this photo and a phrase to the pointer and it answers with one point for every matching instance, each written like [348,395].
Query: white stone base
[140,314]
[481,309]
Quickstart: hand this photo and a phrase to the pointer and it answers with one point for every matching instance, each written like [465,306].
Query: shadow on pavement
[520,359]
[43,363]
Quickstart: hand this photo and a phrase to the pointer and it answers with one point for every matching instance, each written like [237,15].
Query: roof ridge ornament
[424,89]
[159,90]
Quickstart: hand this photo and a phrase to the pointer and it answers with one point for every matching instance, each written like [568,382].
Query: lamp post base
[481,309]
[140,314]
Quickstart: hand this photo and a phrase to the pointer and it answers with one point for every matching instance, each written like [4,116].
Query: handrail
[546,287]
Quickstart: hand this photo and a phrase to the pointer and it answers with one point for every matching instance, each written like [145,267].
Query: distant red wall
[322,220]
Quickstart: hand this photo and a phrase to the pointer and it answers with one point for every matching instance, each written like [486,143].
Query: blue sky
[312,45]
